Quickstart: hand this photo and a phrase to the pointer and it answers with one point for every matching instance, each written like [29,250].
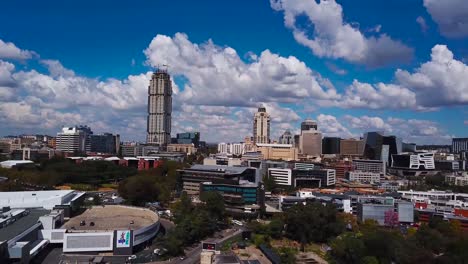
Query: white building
[159,108]
[458,180]
[231,148]
[237,149]
[224,148]
[364,177]
[261,126]
[38,199]
[74,139]
[280,176]
[376,166]
[303,166]
[8,164]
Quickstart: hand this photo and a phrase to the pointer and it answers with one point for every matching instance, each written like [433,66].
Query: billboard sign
[208,246]
[123,239]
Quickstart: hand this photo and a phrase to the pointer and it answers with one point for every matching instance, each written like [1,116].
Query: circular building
[110,228]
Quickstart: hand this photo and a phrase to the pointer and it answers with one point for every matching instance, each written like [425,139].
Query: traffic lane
[194,255]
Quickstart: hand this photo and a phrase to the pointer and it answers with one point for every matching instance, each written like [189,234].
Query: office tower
[297,140]
[261,126]
[373,142]
[376,166]
[311,142]
[188,138]
[159,109]
[286,138]
[223,148]
[308,125]
[237,149]
[331,145]
[408,147]
[351,147]
[105,143]
[74,139]
[459,144]
[414,164]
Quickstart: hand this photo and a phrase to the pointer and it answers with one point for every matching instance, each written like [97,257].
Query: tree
[275,228]
[182,208]
[214,204]
[139,190]
[269,183]
[348,248]
[391,218]
[313,222]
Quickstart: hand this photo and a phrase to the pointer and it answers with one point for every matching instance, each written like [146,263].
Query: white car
[237,222]
[132,257]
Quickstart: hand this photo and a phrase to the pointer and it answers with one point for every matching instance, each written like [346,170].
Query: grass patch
[82,187]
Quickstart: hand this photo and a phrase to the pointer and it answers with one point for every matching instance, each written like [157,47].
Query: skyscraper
[311,142]
[261,126]
[286,138]
[159,109]
[331,145]
[308,124]
[459,145]
[74,139]
[373,142]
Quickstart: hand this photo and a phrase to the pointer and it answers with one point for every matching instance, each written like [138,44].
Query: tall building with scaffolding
[159,109]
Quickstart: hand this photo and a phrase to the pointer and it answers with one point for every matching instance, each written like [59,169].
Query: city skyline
[415,88]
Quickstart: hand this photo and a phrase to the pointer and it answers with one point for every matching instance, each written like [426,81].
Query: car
[182,258]
[237,222]
[132,257]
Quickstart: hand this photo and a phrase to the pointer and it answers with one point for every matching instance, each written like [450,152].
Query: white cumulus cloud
[9,50]
[332,37]
[218,76]
[450,15]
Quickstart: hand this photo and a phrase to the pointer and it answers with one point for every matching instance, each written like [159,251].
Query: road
[193,256]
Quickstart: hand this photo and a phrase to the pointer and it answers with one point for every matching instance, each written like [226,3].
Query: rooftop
[10,163]
[218,168]
[12,230]
[112,217]
[274,145]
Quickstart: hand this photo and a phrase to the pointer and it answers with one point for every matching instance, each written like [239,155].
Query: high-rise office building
[331,145]
[308,124]
[159,109]
[373,142]
[261,126]
[286,138]
[351,147]
[459,144]
[188,138]
[311,142]
[74,139]
[105,143]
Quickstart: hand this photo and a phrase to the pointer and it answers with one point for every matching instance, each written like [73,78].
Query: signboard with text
[123,238]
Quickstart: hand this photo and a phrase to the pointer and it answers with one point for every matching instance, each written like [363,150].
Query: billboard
[208,246]
[123,238]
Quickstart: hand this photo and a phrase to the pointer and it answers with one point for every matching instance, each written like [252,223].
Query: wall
[82,242]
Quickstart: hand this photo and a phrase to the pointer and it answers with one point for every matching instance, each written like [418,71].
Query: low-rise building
[364,177]
[244,199]
[281,176]
[384,210]
[320,178]
[192,177]
[188,149]
[457,180]
[277,151]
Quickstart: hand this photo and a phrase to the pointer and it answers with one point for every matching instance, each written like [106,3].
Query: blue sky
[353,66]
